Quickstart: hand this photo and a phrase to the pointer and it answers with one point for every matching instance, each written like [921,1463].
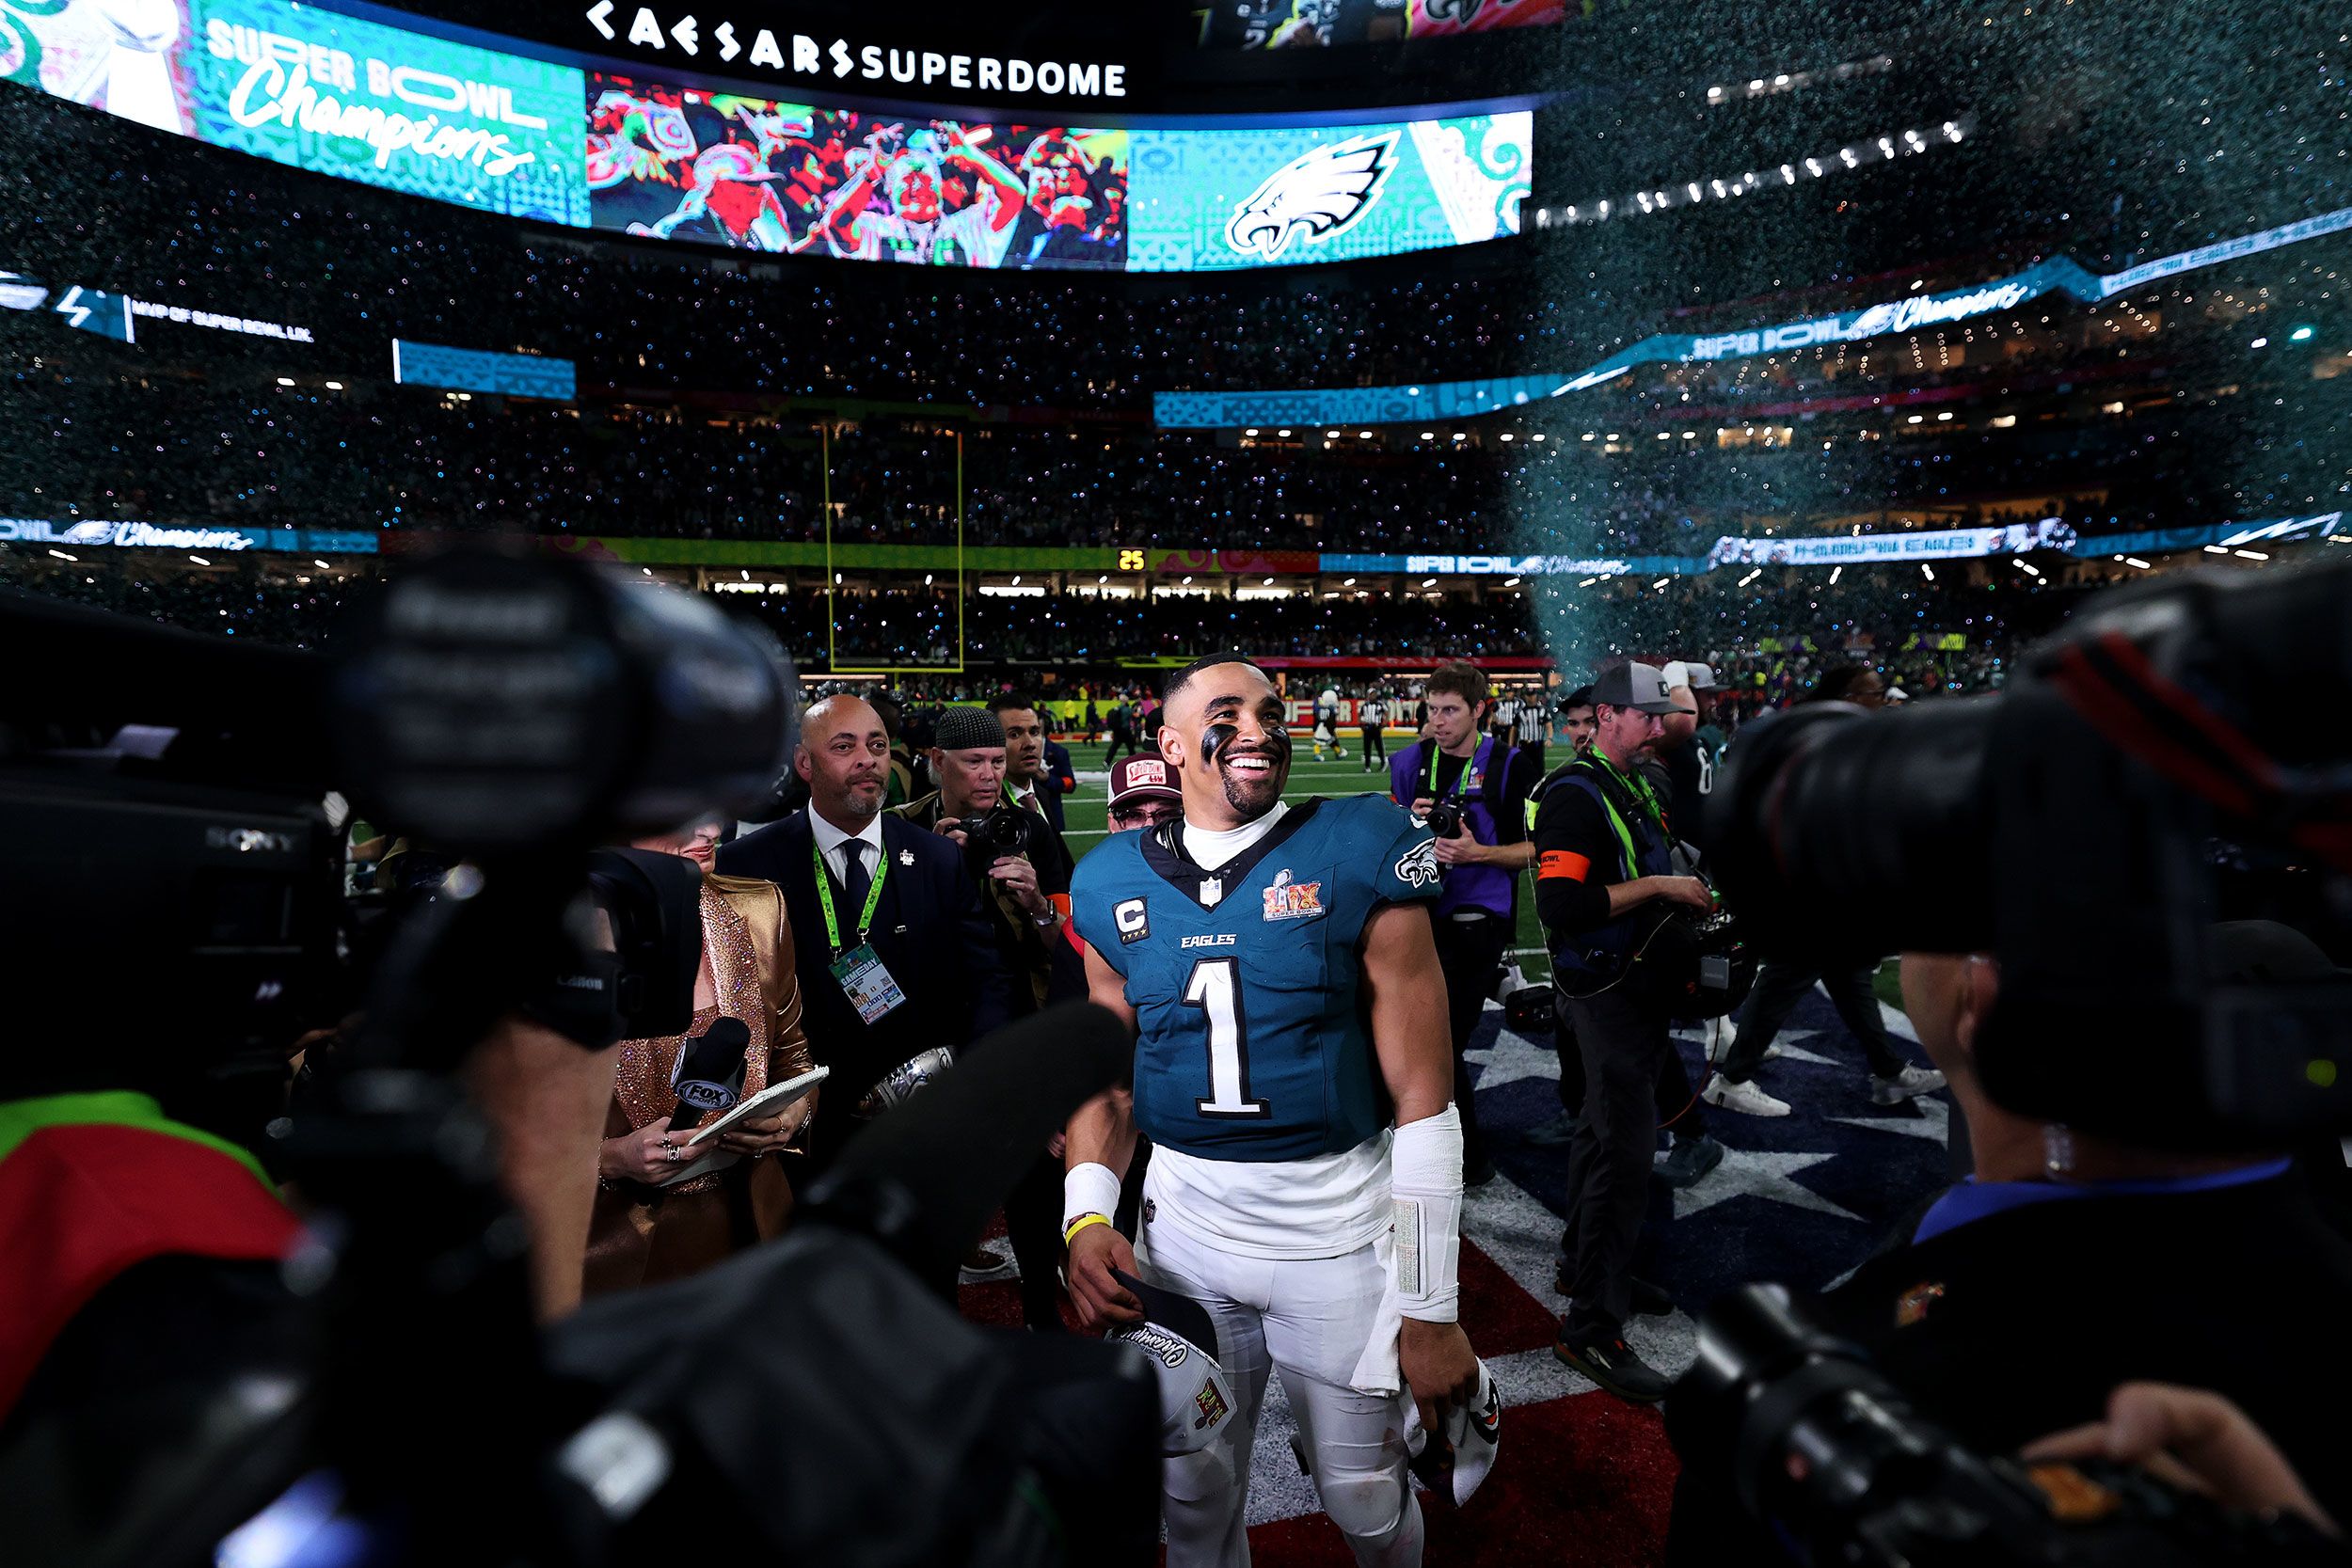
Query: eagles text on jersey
[1252,1043]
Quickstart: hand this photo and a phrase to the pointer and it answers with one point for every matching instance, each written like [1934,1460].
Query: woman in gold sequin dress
[664,1210]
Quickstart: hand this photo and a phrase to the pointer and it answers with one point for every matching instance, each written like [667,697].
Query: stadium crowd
[187,450]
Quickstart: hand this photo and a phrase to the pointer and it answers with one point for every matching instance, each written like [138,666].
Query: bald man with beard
[896,956]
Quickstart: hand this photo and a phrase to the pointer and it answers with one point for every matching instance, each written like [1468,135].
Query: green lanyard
[825,898]
[1437,751]
[1646,797]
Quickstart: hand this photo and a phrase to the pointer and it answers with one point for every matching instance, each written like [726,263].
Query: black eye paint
[1214,740]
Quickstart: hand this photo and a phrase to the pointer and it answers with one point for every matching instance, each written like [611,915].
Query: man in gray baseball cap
[1641,686]
[1603,860]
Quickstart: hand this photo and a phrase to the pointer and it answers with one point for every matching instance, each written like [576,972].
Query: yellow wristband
[1080,1224]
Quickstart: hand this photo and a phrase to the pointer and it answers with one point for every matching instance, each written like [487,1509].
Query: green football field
[1085,814]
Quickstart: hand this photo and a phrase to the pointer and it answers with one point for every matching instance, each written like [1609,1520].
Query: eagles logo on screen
[1419,869]
[1314,197]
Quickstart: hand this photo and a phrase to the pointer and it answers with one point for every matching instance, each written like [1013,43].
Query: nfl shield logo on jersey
[1289,900]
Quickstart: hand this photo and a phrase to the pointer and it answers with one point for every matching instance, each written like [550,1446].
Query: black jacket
[930,932]
[2019,1323]
[1029,951]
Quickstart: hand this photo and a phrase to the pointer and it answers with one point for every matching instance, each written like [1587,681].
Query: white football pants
[1308,1319]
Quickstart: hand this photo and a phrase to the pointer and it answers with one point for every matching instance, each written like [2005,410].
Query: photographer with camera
[1604,882]
[1012,850]
[2071,1263]
[1471,790]
[2060,1262]
[1009,847]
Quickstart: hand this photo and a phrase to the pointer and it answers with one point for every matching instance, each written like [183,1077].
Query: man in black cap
[1026,869]
[1031,878]
[1604,880]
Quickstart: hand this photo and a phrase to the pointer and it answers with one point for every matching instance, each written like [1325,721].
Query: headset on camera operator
[1472,789]
[1605,875]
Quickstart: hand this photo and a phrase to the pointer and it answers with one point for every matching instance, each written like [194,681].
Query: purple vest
[1472,887]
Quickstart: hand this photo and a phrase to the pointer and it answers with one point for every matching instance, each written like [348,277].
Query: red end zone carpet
[1584,1479]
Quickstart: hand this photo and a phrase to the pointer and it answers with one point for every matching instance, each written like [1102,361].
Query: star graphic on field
[1933,1123]
[1765,1174]
[1790,1051]
[1512,1058]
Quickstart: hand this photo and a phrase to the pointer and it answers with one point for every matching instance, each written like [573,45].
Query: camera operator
[1779,987]
[1604,864]
[2070,1263]
[878,907]
[1473,792]
[1692,1151]
[1026,866]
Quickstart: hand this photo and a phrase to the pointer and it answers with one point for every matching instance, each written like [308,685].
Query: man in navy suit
[906,962]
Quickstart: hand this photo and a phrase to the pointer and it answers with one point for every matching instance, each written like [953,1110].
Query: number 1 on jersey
[1214,986]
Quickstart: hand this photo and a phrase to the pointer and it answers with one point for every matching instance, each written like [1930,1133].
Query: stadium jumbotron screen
[540,134]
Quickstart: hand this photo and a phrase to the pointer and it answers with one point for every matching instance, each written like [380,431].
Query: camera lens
[1834,836]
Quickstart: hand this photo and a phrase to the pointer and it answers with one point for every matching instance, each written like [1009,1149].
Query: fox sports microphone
[709,1073]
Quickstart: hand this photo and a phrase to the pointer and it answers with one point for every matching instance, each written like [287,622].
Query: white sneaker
[1906,1084]
[1722,1049]
[1746,1096]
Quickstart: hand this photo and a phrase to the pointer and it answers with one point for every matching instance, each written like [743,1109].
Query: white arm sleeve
[1425,1178]
[1088,1188]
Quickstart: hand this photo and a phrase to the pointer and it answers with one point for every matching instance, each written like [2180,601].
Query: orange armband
[1562,863]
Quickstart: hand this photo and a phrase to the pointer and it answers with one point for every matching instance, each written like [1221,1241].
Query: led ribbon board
[178,536]
[435,109]
[528,375]
[1465,398]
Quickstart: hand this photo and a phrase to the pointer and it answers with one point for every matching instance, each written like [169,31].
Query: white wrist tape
[1425,1178]
[1088,1188]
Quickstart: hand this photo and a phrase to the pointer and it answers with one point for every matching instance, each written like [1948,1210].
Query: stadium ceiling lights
[1795,80]
[1686,192]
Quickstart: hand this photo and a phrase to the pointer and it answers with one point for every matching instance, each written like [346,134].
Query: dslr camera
[1002,829]
[1445,818]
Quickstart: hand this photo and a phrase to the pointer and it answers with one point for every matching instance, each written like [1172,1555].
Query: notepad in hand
[767,1102]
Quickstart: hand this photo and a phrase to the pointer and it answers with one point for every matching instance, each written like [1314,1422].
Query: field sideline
[1086,811]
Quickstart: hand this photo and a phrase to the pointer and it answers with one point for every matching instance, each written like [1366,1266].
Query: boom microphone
[710,1072]
[925,1179]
